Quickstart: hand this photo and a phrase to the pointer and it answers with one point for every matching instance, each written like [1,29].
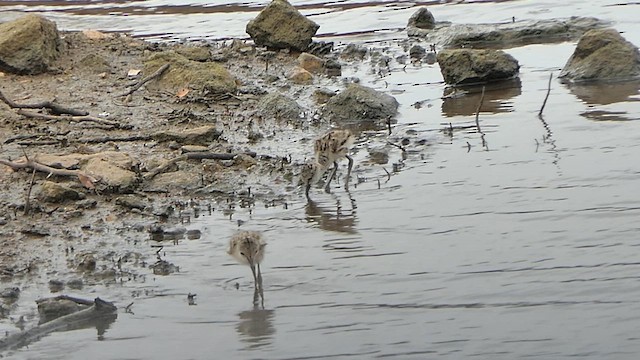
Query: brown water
[522,246]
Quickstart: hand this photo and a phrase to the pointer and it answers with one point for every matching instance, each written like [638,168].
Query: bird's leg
[346,182]
[255,277]
[306,190]
[333,173]
[260,288]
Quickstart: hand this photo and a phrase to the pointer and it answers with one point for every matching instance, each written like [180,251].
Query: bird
[328,149]
[247,247]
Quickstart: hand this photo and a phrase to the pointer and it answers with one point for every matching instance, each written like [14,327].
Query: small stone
[52,192]
[300,76]
[56,285]
[422,19]
[311,63]
[75,284]
[131,202]
[10,293]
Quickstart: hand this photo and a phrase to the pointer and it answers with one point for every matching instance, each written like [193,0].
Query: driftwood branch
[156,74]
[195,155]
[544,103]
[69,118]
[55,108]
[85,179]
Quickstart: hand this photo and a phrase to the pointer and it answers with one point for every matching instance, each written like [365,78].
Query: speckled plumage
[328,149]
[247,247]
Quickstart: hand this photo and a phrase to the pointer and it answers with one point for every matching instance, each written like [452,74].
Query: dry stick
[55,108]
[30,164]
[203,155]
[156,74]
[547,96]
[69,118]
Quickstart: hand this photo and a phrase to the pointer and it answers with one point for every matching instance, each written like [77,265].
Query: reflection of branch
[478,110]
[548,133]
[484,141]
[546,97]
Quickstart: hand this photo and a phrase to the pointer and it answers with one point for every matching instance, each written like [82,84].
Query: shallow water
[521,245]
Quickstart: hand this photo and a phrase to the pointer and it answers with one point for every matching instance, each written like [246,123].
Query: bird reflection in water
[256,327]
[333,217]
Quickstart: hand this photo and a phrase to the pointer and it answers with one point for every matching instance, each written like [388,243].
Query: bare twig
[30,164]
[27,202]
[55,108]
[69,118]
[388,175]
[478,110]
[544,103]
[156,74]
[398,146]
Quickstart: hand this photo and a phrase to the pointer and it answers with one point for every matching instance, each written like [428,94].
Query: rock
[278,106]
[10,294]
[333,68]
[422,19]
[322,96]
[280,26]
[53,308]
[163,267]
[94,64]
[507,34]
[357,104]
[177,180]
[468,66]
[603,54]
[354,52]
[195,53]
[87,262]
[417,52]
[244,161]
[203,135]
[111,175]
[75,284]
[131,202]
[311,63]
[183,73]
[300,76]
[320,48]
[28,45]
[56,285]
[379,155]
[52,192]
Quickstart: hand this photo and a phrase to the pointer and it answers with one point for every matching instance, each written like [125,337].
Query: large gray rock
[468,66]
[509,34]
[422,19]
[280,26]
[603,54]
[359,104]
[28,45]
[279,107]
